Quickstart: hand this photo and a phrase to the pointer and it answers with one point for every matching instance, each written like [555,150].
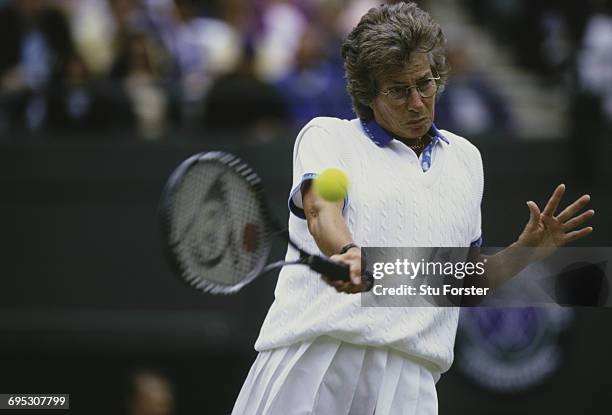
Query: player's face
[413,117]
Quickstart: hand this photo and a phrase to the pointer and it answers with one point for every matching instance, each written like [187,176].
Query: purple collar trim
[382,138]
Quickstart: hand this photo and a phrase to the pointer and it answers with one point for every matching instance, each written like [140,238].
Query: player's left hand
[547,231]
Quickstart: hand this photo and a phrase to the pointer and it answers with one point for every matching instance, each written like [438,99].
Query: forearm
[329,230]
[331,233]
[502,266]
[326,223]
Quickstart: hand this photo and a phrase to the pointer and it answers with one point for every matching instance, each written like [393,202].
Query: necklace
[419,146]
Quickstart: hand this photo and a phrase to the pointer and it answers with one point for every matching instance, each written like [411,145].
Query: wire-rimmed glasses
[426,88]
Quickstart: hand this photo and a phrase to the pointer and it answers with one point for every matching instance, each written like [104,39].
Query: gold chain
[419,146]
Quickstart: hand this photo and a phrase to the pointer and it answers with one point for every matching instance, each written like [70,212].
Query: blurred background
[101,99]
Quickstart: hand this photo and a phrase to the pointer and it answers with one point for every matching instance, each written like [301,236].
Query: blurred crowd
[567,43]
[70,66]
[150,67]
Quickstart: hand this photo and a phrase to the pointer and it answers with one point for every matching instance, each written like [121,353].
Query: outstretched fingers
[572,209]
[578,220]
[534,213]
[554,200]
[572,236]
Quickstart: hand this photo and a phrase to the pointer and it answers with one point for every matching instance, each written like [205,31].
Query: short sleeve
[476,240]
[316,150]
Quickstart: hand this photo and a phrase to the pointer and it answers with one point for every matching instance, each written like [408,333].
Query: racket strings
[219,228]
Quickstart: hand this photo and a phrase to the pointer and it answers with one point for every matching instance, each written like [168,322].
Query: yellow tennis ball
[332,184]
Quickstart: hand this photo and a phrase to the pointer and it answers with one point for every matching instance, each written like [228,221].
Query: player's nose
[414,101]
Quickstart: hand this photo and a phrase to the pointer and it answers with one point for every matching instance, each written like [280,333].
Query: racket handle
[331,269]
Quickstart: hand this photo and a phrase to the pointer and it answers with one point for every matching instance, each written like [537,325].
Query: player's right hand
[357,282]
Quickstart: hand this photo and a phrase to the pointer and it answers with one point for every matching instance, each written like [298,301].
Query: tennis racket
[217,229]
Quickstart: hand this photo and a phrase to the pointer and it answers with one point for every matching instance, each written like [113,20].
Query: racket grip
[331,269]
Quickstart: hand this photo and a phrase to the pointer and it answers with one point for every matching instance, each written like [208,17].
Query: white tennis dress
[320,351]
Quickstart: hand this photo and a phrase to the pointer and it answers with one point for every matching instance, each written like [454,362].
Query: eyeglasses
[426,88]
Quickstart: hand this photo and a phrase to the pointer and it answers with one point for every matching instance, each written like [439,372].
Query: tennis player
[412,184]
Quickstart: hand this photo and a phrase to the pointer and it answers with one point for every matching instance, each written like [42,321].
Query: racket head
[216,228]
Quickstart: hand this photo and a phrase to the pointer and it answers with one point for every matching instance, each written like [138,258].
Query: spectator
[283,25]
[595,61]
[150,393]
[316,86]
[591,102]
[77,104]
[201,48]
[470,103]
[240,100]
[99,25]
[138,72]
[36,44]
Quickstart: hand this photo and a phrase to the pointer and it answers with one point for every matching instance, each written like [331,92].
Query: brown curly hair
[383,41]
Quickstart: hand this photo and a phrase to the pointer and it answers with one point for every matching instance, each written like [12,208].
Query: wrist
[347,247]
[519,243]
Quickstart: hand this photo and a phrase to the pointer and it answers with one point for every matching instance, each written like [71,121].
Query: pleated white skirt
[327,376]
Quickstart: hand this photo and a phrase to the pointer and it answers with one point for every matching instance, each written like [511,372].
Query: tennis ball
[332,184]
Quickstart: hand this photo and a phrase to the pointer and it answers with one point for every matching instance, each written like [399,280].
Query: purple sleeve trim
[477,243]
[294,208]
